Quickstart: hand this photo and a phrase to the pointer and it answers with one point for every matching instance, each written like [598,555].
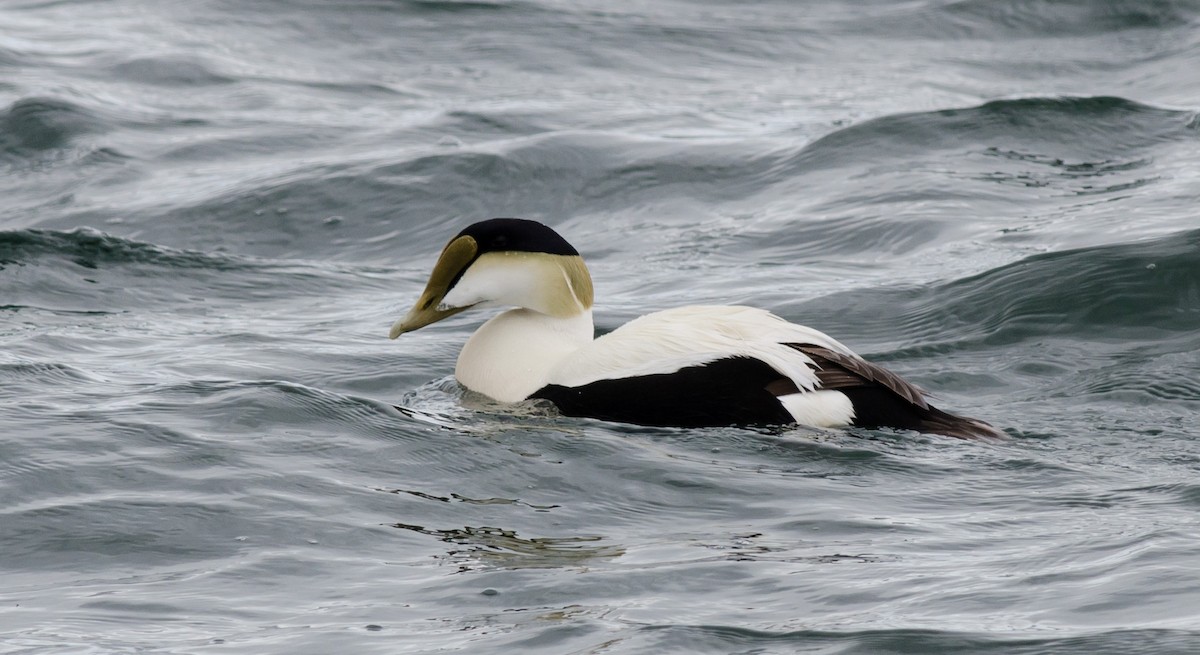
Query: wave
[669,638]
[906,183]
[404,206]
[1088,128]
[12,58]
[1064,139]
[465,6]
[992,19]
[1146,289]
[1074,17]
[85,270]
[36,124]
[92,249]
[171,71]
[284,401]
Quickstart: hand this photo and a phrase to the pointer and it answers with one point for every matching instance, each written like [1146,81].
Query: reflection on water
[491,548]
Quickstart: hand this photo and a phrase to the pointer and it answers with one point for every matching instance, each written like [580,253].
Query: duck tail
[946,424]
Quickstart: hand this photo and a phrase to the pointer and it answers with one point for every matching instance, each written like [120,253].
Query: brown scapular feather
[838,371]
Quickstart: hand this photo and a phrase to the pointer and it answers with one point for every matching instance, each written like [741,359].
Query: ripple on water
[723,639]
[168,71]
[200,448]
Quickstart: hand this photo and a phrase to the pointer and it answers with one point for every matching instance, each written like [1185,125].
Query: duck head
[503,262]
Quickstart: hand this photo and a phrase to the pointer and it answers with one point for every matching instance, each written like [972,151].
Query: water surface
[213,213]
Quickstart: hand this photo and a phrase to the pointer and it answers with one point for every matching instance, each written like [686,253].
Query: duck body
[699,366]
[693,366]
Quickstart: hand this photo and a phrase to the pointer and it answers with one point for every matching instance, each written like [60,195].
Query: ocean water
[213,211]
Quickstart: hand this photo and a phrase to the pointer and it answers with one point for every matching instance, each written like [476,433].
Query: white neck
[511,356]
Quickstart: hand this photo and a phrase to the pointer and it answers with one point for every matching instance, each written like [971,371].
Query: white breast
[511,356]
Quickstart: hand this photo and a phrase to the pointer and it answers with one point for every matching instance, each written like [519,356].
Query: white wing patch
[822,408]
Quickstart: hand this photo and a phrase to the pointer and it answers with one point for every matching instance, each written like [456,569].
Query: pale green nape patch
[578,278]
[555,285]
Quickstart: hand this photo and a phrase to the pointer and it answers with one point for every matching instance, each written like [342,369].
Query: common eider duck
[696,366]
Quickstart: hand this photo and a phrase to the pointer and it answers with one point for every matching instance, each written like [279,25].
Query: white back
[669,340]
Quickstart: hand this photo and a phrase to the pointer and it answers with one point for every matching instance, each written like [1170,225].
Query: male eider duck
[697,366]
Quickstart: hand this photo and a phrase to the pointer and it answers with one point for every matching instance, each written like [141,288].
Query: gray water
[213,211]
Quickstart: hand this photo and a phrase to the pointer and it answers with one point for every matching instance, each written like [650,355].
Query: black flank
[731,391]
[743,391]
